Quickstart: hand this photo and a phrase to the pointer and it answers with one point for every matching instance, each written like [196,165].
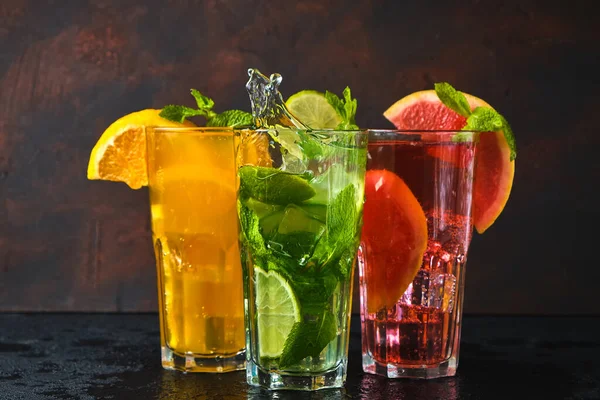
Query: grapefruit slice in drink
[394,236]
[494,171]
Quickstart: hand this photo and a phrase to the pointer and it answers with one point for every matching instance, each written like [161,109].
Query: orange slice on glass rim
[120,153]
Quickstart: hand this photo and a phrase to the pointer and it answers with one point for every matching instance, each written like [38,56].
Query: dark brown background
[69,68]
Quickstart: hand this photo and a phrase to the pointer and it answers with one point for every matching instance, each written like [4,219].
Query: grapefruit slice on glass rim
[494,171]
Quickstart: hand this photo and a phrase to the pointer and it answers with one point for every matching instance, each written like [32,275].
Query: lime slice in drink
[313,109]
[273,186]
[277,311]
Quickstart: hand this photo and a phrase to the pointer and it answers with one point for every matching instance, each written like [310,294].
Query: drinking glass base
[412,371]
[272,380]
[194,363]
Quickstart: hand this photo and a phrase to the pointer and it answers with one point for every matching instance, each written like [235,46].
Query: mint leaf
[285,266]
[345,108]
[203,102]
[510,138]
[273,186]
[231,118]
[308,338]
[179,113]
[336,103]
[314,291]
[350,106]
[488,120]
[484,119]
[341,219]
[311,146]
[251,235]
[342,231]
[453,99]
[346,261]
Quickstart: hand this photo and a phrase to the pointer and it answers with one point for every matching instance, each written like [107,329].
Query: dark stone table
[116,356]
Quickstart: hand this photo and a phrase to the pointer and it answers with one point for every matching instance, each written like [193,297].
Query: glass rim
[417,131]
[306,130]
[325,131]
[230,130]
[421,135]
[190,128]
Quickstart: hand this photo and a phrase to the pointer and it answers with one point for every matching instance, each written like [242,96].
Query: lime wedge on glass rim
[313,109]
[277,311]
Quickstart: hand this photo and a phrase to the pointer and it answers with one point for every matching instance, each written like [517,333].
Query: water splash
[268,107]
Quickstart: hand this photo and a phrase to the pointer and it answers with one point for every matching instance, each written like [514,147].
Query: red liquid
[422,328]
[414,338]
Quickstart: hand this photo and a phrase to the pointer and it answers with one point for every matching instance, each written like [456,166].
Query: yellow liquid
[192,184]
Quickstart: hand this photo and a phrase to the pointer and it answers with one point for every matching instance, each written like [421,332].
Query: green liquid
[312,243]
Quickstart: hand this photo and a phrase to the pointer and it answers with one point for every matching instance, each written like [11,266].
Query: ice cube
[420,288]
[442,292]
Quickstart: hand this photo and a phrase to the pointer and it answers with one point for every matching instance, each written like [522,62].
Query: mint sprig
[346,108]
[229,118]
[480,119]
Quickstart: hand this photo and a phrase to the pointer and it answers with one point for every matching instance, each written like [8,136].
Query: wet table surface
[116,356]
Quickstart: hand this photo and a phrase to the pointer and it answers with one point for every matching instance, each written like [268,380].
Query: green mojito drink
[300,233]
[300,202]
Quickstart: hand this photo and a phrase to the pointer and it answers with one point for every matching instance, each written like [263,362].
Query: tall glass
[417,230]
[192,181]
[300,210]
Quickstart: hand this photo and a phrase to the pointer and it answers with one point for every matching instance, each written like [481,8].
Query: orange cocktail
[192,184]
